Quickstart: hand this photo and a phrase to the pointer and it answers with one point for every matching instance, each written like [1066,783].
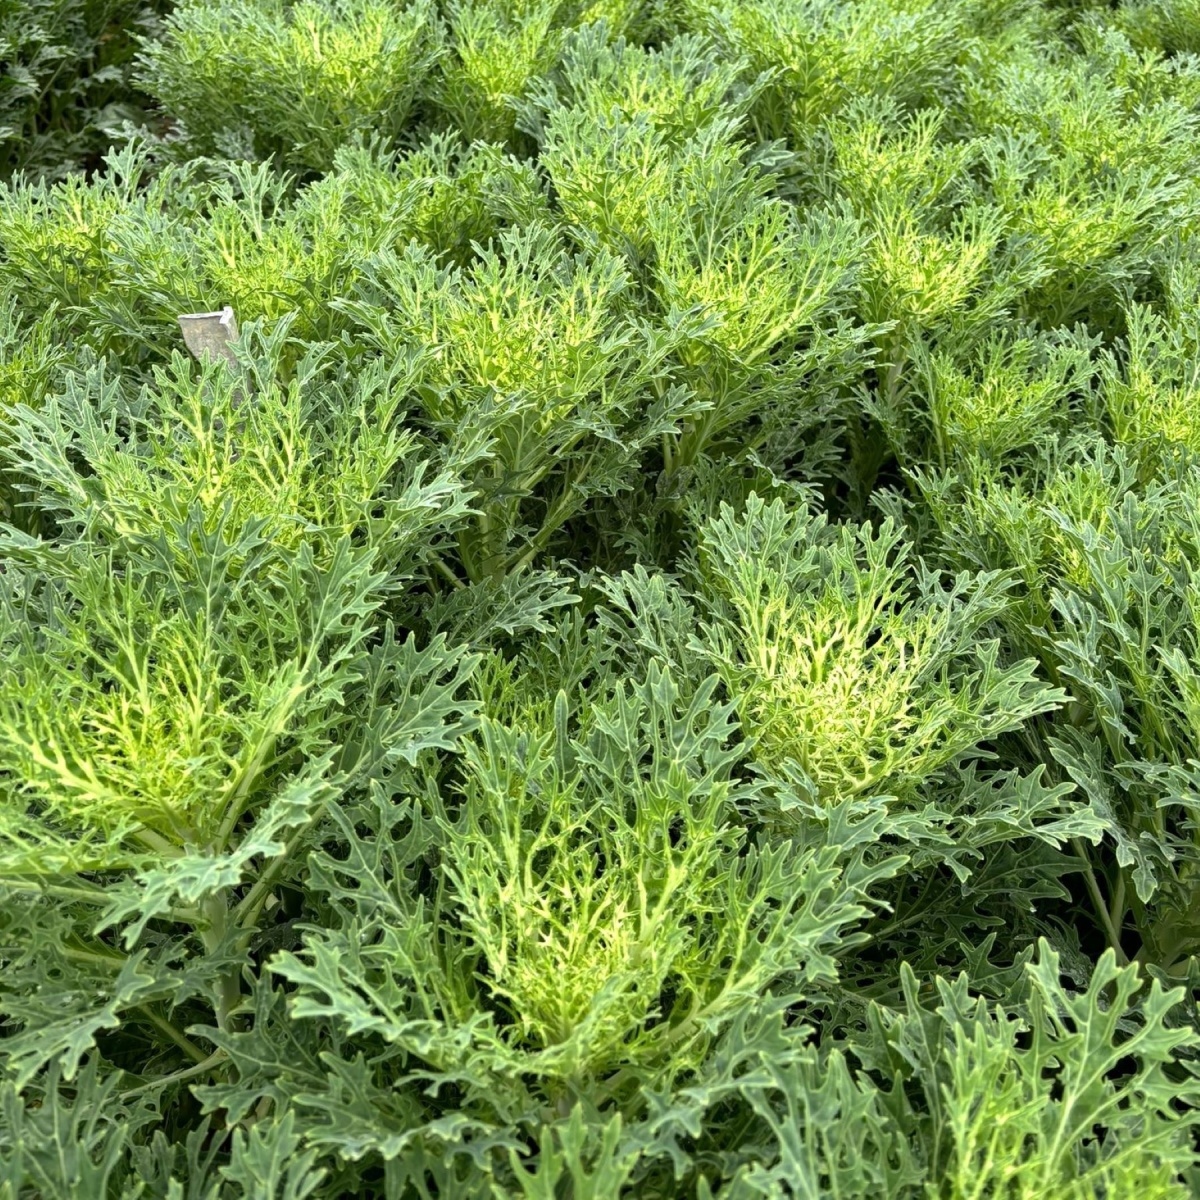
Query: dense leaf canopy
[665,660]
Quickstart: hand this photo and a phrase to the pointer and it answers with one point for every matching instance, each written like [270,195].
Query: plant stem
[158,843]
[1093,885]
[248,907]
[1116,910]
[178,1076]
[114,959]
[176,1035]
[228,991]
[440,566]
[557,513]
[91,895]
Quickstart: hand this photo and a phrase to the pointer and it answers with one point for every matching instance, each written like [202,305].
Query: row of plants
[665,661]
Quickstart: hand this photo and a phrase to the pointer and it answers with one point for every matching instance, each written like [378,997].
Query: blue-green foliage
[65,80]
[666,660]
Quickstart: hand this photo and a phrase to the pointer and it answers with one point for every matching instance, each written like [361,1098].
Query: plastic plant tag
[209,334]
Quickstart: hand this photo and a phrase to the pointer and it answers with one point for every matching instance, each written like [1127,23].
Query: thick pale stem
[1093,886]
[228,990]
[180,1038]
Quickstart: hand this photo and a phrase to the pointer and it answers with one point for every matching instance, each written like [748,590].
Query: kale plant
[664,659]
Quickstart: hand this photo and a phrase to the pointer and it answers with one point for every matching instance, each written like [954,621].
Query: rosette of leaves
[851,660]
[55,236]
[820,54]
[983,841]
[496,50]
[1090,163]
[1107,572]
[1125,639]
[646,154]
[993,401]
[194,664]
[454,196]
[760,295]
[867,681]
[599,933]
[304,452]
[499,53]
[268,78]
[1151,388]
[538,359]
[123,254]
[621,128]
[680,86]
[985,517]
[1063,1091]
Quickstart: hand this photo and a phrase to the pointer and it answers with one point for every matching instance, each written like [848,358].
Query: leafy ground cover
[667,662]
